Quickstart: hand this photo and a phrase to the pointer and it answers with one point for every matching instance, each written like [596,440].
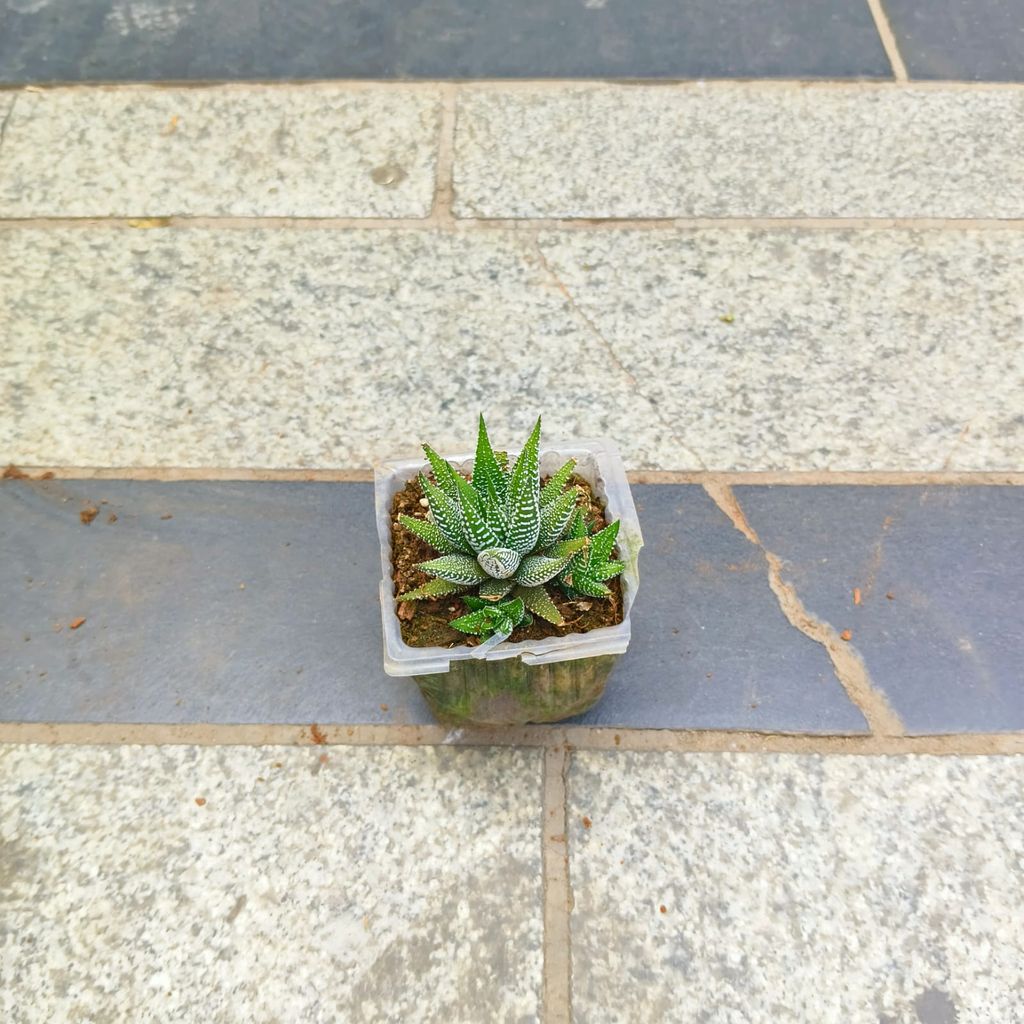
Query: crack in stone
[847,664]
[6,120]
[609,348]
[960,438]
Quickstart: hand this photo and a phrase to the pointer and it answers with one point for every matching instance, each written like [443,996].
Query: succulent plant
[588,569]
[487,618]
[504,536]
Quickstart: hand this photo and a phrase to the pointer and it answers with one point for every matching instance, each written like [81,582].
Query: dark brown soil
[425,623]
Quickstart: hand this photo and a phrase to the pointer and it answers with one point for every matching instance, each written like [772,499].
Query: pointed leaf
[578,525]
[446,513]
[554,518]
[514,609]
[524,496]
[474,603]
[537,569]
[428,531]
[475,622]
[583,584]
[494,589]
[500,563]
[432,588]
[455,569]
[488,478]
[607,570]
[539,602]
[553,488]
[603,542]
[567,548]
[478,530]
[444,474]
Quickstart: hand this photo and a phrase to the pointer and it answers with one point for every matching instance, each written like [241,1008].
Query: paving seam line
[572,737]
[512,85]
[557,973]
[441,219]
[700,477]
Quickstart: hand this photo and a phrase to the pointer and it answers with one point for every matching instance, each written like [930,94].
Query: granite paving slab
[842,350]
[311,151]
[980,40]
[232,884]
[929,581]
[739,150]
[90,40]
[732,349]
[257,603]
[731,887]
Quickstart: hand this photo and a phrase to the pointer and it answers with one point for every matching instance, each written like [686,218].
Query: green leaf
[488,478]
[478,530]
[494,589]
[428,531]
[554,517]
[539,602]
[443,472]
[524,497]
[474,603]
[607,570]
[537,569]
[475,622]
[432,588]
[583,584]
[603,542]
[567,548]
[500,563]
[455,569]
[514,609]
[498,619]
[553,488]
[447,515]
[578,525]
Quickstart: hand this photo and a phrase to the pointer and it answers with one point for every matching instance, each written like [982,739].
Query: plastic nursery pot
[532,680]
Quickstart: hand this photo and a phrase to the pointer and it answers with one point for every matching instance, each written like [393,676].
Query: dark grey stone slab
[254,603]
[947,647]
[711,649]
[979,40]
[171,635]
[104,40]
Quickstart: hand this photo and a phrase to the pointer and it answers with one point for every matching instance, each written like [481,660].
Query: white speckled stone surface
[740,150]
[281,348]
[831,889]
[387,884]
[286,151]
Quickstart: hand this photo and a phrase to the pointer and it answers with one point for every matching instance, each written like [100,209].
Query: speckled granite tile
[940,578]
[731,888]
[230,884]
[309,348]
[841,350]
[288,151]
[739,150]
[188,347]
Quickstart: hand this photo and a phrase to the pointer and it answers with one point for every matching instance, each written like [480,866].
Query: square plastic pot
[532,680]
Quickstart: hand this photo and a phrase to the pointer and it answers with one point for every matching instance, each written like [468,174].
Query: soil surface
[425,623]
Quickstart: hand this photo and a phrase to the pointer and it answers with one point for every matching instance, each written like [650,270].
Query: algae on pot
[501,592]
